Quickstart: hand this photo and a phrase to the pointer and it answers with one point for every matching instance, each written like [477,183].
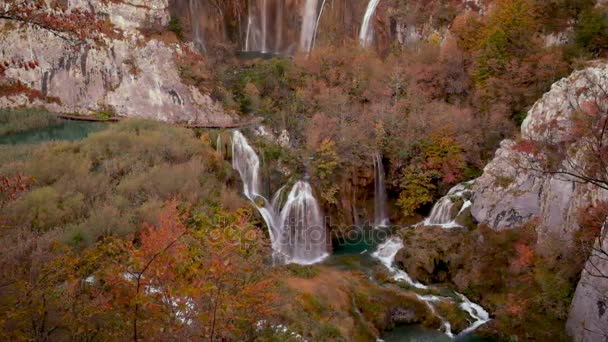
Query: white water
[309,21]
[442,213]
[195,10]
[302,236]
[366,34]
[297,231]
[247,163]
[314,35]
[380,207]
[257,26]
[386,253]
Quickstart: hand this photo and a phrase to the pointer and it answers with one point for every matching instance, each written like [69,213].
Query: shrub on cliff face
[433,164]
[591,30]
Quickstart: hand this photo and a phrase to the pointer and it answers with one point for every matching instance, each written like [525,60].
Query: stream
[298,236]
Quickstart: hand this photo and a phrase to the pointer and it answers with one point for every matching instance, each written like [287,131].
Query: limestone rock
[588,319]
[512,191]
[133,76]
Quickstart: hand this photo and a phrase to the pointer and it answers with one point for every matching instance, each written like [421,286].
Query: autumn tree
[72,25]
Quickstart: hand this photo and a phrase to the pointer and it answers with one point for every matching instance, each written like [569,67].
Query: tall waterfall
[314,35]
[380,210]
[309,24]
[297,231]
[366,35]
[195,9]
[280,26]
[257,26]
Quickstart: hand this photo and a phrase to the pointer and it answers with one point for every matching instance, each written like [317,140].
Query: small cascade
[297,230]
[366,34]
[443,214]
[386,253]
[218,144]
[247,163]
[302,236]
[195,9]
[380,207]
[309,22]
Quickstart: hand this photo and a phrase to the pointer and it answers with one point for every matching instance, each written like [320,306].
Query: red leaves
[525,255]
[527,146]
[12,187]
[73,25]
[166,235]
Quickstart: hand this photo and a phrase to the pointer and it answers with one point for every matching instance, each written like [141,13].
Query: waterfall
[264,25]
[197,33]
[380,210]
[247,163]
[314,35]
[297,231]
[303,238]
[308,24]
[366,35]
[442,213]
[218,144]
[386,253]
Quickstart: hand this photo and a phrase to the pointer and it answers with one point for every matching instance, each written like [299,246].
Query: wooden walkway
[234,125]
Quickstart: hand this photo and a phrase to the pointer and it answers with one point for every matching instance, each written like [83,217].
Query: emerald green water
[67,130]
[416,333]
[355,253]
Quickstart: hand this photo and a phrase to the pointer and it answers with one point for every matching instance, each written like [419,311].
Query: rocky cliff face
[588,319]
[513,191]
[133,76]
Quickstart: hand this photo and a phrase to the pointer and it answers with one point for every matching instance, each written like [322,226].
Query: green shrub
[175,26]
[591,31]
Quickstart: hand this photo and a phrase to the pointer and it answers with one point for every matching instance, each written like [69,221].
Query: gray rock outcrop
[513,191]
[588,319]
[135,75]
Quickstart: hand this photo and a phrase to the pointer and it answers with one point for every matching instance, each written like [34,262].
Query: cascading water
[314,35]
[380,209]
[443,213]
[366,35]
[309,22]
[302,236]
[386,253]
[281,27]
[195,9]
[247,163]
[297,231]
